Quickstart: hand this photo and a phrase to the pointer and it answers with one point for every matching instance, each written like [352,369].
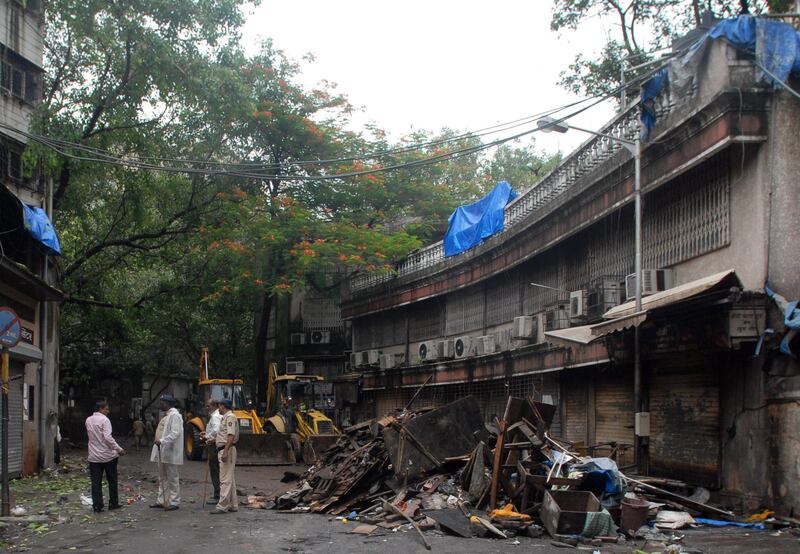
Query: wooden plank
[498,453]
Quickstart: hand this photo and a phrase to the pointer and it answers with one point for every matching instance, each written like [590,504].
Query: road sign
[10,328]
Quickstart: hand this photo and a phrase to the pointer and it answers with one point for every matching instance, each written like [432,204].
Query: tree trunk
[260,368]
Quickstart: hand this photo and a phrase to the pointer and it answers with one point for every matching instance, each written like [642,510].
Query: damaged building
[28,246]
[545,308]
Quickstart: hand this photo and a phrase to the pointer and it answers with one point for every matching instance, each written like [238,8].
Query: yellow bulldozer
[279,439]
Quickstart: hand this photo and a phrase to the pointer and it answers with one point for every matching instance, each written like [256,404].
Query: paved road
[137,528]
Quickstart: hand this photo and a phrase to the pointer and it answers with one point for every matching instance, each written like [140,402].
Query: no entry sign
[10,327]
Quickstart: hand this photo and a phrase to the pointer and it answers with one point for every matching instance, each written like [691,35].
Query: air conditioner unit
[297,338]
[556,317]
[388,361]
[502,340]
[604,295]
[524,327]
[363,358]
[373,357]
[445,349]
[484,345]
[653,281]
[320,336]
[578,300]
[295,367]
[353,360]
[426,351]
[463,347]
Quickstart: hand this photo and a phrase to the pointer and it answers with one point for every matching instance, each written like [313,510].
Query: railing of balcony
[533,201]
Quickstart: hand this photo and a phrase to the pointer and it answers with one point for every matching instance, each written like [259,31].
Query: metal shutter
[614,413]
[575,396]
[14,424]
[684,425]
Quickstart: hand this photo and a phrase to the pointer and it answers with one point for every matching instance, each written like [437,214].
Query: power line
[59,147]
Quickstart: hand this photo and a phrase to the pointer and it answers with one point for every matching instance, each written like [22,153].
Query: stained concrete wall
[783,384]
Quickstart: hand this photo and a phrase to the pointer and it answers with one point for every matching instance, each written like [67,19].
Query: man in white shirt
[210,437]
[104,453]
[168,454]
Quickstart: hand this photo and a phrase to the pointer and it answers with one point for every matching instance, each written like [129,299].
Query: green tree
[644,27]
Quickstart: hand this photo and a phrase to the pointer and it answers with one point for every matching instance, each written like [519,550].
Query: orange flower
[258,282]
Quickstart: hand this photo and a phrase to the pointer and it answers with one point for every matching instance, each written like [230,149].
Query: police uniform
[228,500]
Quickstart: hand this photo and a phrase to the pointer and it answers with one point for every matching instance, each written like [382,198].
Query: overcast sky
[436,63]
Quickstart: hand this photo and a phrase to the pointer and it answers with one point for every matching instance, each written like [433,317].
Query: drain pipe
[44,365]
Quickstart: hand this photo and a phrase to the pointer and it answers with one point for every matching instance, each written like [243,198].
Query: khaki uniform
[228,500]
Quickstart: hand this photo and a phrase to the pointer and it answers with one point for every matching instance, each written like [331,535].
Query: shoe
[217,512]
[171,508]
[117,507]
[213,502]
[98,510]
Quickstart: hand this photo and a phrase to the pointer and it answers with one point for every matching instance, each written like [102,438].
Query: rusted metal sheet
[684,424]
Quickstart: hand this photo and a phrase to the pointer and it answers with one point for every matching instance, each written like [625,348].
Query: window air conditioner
[524,327]
[578,300]
[463,347]
[297,339]
[427,351]
[389,361]
[653,281]
[353,360]
[295,367]
[445,349]
[373,357]
[320,336]
[484,345]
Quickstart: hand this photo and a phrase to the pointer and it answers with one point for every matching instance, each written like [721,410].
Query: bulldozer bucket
[316,445]
[272,449]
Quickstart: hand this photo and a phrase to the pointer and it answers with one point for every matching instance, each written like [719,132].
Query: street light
[547,125]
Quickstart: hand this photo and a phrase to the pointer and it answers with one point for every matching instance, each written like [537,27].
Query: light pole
[549,124]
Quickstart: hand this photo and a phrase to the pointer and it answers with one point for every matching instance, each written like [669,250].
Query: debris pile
[445,468]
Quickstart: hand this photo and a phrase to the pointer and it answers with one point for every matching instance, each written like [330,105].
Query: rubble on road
[444,468]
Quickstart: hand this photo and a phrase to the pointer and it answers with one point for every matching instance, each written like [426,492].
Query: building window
[19,82]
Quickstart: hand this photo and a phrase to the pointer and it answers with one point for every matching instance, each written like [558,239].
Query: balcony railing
[531,204]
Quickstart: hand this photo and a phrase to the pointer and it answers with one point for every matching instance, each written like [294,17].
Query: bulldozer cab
[226,389]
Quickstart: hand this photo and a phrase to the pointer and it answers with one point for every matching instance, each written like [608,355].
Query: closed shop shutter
[575,395]
[684,424]
[614,414]
[14,423]
[550,390]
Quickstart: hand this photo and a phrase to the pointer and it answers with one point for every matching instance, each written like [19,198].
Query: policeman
[227,437]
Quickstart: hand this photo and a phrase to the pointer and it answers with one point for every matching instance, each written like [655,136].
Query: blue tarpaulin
[776,46]
[469,225]
[41,228]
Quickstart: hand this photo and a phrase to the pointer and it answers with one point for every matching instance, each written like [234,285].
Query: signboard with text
[10,328]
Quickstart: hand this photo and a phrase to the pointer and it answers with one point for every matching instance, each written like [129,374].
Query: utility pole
[6,500]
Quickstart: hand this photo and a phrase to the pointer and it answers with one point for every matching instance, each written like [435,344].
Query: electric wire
[97,156]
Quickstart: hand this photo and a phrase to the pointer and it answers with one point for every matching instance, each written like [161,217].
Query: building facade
[26,264]
[541,308]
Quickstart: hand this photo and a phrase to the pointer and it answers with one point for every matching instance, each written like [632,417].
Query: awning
[25,352]
[676,294]
[589,333]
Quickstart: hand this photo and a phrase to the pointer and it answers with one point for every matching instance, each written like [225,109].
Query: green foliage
[645,26]
[158,264]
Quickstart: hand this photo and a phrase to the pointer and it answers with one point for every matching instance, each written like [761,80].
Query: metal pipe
[637,354]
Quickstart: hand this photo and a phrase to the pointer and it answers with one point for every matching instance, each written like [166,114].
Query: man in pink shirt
[104,452]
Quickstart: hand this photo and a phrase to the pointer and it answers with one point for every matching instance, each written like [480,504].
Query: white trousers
[169,487]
